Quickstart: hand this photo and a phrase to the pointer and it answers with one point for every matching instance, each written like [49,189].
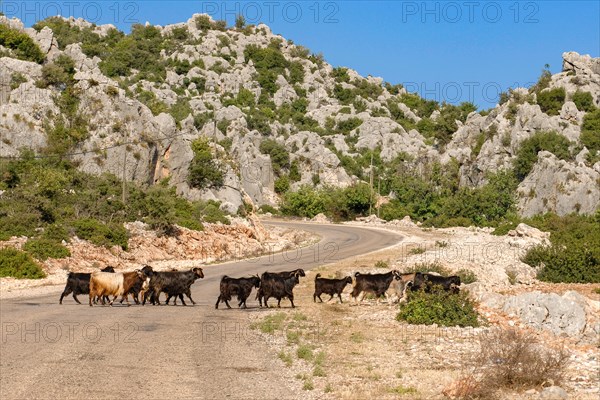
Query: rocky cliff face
[320,114]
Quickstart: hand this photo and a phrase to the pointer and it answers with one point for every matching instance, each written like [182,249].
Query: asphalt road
[157,352]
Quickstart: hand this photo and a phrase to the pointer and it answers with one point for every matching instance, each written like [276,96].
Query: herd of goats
[145,284]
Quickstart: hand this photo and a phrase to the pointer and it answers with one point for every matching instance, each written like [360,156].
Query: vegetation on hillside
[50,200]
[205,171]
[19,45]
[574,253]
[527,154]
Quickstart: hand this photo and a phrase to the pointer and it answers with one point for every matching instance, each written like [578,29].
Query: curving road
[74,351]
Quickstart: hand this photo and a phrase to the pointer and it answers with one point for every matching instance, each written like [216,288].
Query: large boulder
[559,186]
[563,316]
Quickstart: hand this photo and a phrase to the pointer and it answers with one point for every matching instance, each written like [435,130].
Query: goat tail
[317,276]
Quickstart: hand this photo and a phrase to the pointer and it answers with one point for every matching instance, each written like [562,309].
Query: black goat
[377,284]
[79,283]
[330,286]
[241,287]
[173,283]
[279,288]
[266,276]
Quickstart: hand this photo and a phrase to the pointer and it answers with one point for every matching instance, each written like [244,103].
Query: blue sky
[445,50]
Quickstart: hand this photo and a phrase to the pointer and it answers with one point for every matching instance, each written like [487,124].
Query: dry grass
[518,360]
[510,359]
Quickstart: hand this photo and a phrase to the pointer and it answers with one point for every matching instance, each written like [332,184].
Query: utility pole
[123,177]
[378,194]
[371,185]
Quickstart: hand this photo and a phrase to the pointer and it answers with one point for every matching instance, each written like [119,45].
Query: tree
[527,154]
[23,47]
[584,101]
[551,101]
[280,158]
[204,171]
[590,131]
[240,21]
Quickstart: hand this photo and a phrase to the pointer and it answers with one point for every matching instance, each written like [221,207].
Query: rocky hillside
[277,116]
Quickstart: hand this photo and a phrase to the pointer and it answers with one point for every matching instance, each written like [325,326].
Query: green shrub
[282,184]
[551,101]
[485,204]
[155,105]
[299,52]
[226,144]
[439,307]
[258,119]
[221,25]
[543,81]
[269,63]
[204,171]
[280,157]
[466,276]
[286,358]
[571,265]
[42,249]
[101,234]
[422,107]
[345,95]
[271,323]
[64,133]
[574,252]
[265,208]
[16,79]
[56,233]
[52,196]
[527,154]
[295,175]
[139,50]
[340,74]
[159,209]
[296,72]
[346,126]
[350,202]
[304,352]
[19,223]
[181,109]
[66,34]
[590,131]
[306,202]
[240,21]
[18,264]
[203,23]
[244,98]
[201,119]
[213,214]
[584,101]
[505,226]
[59,72]
[20,44]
